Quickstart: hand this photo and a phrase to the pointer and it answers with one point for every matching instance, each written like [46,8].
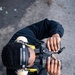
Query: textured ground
[16,14]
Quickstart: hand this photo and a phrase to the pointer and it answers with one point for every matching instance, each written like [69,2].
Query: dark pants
[12,72]
[36,65]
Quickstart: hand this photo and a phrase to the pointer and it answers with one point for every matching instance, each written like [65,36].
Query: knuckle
[52,61]
[50,38]
[54,44]
[54,72]
[55,47]
[55,62]
[51,71]
[58,42]
[52,48]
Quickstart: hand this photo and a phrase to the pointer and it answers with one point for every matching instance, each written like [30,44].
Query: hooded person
[33,34]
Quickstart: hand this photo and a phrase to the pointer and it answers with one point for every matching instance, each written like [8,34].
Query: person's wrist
[56,35]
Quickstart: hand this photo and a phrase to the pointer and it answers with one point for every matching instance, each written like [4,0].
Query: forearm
[55,28]
[46,28]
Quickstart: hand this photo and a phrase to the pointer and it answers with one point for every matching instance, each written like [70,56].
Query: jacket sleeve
[46,28]
[40,30]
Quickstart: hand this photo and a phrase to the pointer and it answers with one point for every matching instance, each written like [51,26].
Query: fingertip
[48,64]
[59,67]
[48,48]
[59,62]
[48,45]
[58,47]
[49,58]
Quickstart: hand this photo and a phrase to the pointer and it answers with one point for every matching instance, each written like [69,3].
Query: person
[33,34]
